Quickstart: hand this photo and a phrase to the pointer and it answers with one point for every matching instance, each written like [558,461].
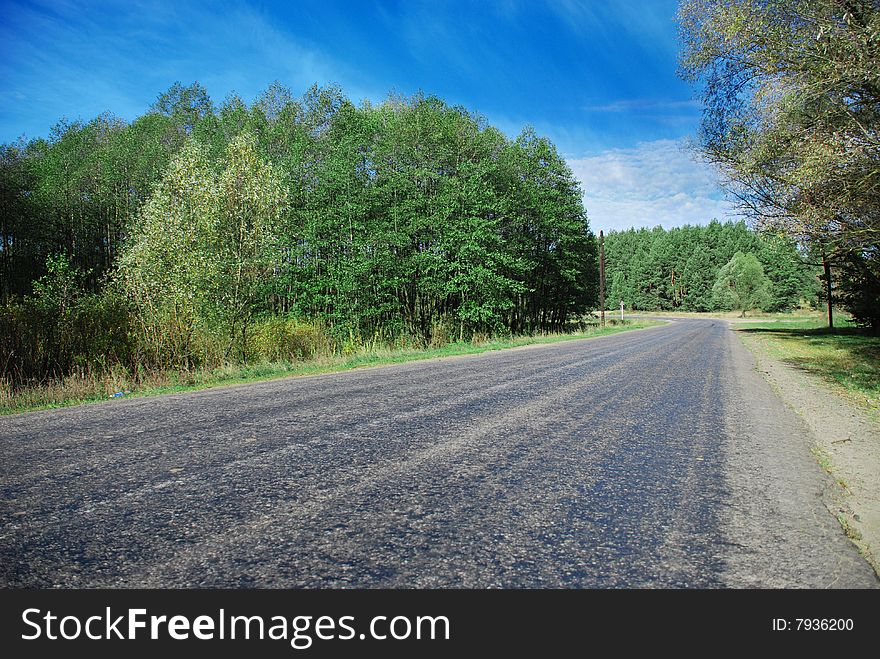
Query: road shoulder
[846,443]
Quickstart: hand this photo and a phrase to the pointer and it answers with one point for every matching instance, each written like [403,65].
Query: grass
[849,358]
[824,460]
[850,531]
[77,390]
[735,316]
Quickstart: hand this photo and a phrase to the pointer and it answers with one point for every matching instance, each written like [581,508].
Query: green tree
[741,284]
[244,236]
[698,278]
[22,233]
[186,106]
[677,268]
[411,219]
[793,279]
[169,269]
[792,118]
[204,249]
[859,289]
[60,287]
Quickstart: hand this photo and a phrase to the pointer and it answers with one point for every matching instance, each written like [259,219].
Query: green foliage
[741,284]
[792,280]
[792,117]
[186,105]
[416,216]
[203,250]
[289,339]
[169,270]
[59,288]
[58,334]
[859,289]
[247,227]
[21,235]
[676,269]
[77,194]
[409,222]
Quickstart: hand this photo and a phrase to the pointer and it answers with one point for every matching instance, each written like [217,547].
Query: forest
[197,235]
[681,269]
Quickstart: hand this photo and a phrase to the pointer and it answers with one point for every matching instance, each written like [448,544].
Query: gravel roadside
[844,440]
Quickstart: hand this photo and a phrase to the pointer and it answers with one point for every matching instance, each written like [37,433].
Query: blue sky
[596,77]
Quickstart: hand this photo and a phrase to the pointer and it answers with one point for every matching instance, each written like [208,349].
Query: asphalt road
[653,458]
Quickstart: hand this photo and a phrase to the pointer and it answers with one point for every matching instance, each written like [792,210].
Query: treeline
[173,234]
[677,269]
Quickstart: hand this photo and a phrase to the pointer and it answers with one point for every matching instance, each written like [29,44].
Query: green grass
[825,461]
[849,358]
[79,390]
[753,316]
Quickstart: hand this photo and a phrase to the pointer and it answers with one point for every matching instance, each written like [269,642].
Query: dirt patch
[847,445]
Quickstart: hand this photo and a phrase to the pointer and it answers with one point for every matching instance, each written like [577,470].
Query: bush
[859,290]
[41,338]
[289,339]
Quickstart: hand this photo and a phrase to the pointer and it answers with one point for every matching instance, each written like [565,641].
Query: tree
[409,220]
[22,236]
[859,290]
[741,284]
[187,106]
[168,269]
[58,289]
[791,90]
[545,227]
[245,238]
[204,249]
[669,269]
[698,278]
[792,278]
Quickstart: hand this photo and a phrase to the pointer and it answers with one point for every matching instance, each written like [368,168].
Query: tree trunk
[826,266]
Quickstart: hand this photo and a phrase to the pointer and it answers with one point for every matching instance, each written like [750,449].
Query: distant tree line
[679,269]
[173,234]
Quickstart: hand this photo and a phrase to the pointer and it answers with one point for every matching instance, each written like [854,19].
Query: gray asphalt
[653,458]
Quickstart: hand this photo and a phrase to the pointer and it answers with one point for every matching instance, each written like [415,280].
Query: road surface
[652,458]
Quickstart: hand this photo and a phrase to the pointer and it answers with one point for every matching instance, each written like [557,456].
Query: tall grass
[280,348]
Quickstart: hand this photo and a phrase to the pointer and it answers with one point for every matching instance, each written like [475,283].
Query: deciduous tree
[741,284]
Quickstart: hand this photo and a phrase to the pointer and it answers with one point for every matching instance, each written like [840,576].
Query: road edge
[846,444]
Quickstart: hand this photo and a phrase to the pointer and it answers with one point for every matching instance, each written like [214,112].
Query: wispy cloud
[590,75]
[59,60]
[612,21]
[656,183]
[644,105]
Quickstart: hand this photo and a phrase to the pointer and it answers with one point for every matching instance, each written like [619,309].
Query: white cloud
[644,105]
[655,183]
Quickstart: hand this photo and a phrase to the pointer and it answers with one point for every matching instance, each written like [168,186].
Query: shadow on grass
[811,331]
[849,355]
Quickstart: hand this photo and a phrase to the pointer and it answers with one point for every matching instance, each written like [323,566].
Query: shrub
[40,339]
[290,339]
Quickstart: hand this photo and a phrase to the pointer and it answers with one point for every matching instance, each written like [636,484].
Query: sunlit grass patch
[848,357]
